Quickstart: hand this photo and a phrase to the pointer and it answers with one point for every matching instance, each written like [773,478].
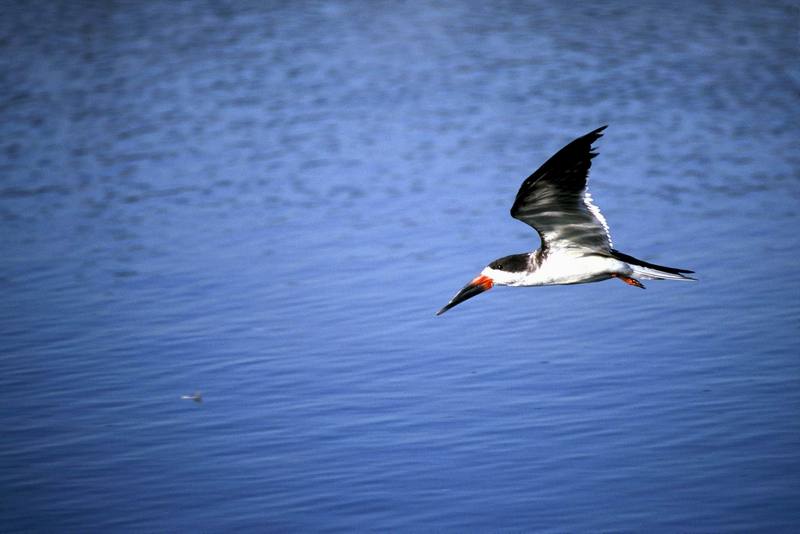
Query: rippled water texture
[267,202]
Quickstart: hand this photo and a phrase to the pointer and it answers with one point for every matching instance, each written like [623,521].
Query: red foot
[630,281]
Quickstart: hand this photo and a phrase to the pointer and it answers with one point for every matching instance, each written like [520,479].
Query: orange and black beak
[477,286]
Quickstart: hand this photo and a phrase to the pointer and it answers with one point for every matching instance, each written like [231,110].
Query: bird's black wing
[553,200]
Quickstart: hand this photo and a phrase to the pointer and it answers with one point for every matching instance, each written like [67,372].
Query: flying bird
[576,243]
[196,396]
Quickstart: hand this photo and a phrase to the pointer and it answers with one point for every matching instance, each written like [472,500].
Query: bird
[576,246]
[196,397]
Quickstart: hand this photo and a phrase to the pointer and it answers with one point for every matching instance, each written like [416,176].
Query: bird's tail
[651,271]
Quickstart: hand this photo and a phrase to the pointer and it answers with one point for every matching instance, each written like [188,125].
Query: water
[268,202]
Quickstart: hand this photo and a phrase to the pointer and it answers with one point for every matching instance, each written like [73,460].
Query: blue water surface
[268,202]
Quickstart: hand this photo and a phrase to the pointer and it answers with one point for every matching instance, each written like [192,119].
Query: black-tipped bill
[476,287]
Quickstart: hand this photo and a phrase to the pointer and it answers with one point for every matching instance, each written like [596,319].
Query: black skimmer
[576,244]
[196,396]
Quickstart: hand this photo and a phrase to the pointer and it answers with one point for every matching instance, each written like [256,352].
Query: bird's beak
[477,286]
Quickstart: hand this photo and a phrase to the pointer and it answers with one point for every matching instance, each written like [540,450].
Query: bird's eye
[500,266]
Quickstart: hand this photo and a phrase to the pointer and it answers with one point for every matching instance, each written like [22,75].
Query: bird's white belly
[567,267]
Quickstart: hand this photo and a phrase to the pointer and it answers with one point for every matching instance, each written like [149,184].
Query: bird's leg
[628,280]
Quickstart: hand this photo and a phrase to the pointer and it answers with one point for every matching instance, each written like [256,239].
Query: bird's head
[506,271]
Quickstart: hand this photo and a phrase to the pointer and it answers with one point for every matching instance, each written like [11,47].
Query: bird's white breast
[565,266]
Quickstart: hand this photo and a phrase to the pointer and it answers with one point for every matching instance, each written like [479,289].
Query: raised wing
[554,201]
